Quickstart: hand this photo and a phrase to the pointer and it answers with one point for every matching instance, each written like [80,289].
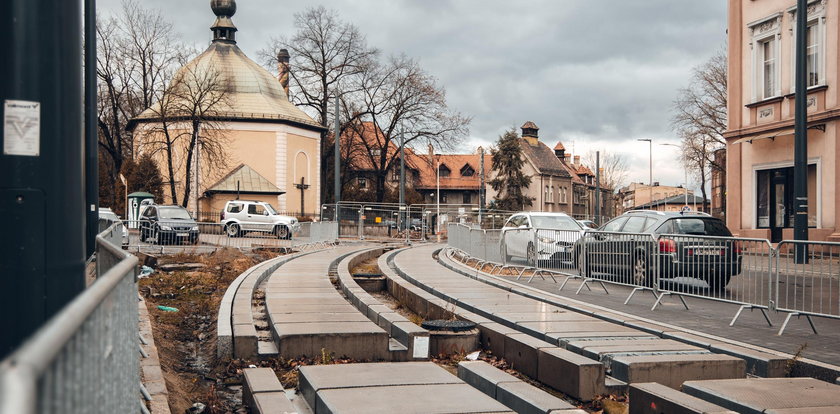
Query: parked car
[243,216]
[542,239]
[632,245]
[168,224]
[108,217]
[588,224]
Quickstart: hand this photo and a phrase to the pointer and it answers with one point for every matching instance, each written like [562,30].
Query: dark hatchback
[168,225]
[632,247]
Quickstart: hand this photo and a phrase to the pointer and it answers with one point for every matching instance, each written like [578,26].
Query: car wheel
[641,271]
[531,255]
[282,232]
[232,230]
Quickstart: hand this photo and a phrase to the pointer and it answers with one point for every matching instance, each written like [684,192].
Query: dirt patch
[186,339]
[369,266]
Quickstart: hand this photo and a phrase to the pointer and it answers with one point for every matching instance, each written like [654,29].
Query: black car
[168,224]
[631,247]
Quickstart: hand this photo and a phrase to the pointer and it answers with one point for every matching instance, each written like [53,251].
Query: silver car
[542,239]
[242,216]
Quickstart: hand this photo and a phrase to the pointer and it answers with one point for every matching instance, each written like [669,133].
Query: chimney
[577,160]
[568,159]
[530,131]
[283,69]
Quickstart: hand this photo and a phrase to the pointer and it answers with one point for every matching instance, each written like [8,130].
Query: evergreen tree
[510,182]
[144,175]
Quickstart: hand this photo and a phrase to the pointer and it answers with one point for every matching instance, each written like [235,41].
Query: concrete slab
[245,341]
[558,316]
[653,398]
[272,403]
[315,378]
[429,399]
[258,380]
[357,340]
[318,317]
[525,398]
[492,337]
[312,307]
[563,338]
[597,352]
[483,376]
[571,373]
[522,353]
[672,370]
[759,395]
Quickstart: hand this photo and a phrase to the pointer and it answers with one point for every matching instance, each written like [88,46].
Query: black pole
[598,187]
[42,192]
[800,152]
[401,217]
[337,136]
[91,136]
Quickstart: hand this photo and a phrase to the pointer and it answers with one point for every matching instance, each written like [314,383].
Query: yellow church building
[269,146]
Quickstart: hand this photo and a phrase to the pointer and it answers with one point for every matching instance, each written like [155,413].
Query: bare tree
[325,52]
[135,50]
[700,119]
[614,168]
[187,126]
[399,97]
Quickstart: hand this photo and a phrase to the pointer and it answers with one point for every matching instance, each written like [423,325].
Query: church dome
[248,91]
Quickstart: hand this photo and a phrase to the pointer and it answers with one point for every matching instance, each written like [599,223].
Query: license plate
[183,235]
[563,249]
[707,252]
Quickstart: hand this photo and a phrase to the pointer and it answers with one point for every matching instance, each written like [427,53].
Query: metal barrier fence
[747,272]
[807,280]
[206,237]
[86,358]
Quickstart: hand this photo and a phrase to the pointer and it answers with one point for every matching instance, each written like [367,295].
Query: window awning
[768,135]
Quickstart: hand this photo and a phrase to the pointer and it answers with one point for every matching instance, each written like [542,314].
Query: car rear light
[736,247]
[667,246]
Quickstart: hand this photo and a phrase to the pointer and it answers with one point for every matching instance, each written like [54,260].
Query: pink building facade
[759,159]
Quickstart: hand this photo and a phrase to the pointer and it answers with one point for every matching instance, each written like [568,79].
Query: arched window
[551,194]
[546,194]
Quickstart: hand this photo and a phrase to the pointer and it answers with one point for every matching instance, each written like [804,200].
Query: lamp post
[685,171]
[650,162]
[437,198]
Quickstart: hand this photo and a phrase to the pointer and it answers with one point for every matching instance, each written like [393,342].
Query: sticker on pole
[21,128]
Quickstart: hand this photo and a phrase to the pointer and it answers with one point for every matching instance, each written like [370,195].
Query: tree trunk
[703,189]
[189,156]
[380,186]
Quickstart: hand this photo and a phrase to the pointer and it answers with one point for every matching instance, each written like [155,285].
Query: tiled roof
[543,159]
[559,146]
[455,162]
[364,135]
[250,182]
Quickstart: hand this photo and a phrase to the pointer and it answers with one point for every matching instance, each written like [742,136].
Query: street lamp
[650,161]
[685,170]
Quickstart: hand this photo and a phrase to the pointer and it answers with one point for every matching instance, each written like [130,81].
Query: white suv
[242,216]
[542,239]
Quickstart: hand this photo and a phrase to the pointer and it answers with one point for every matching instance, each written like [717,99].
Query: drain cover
[452,326]
[368,275]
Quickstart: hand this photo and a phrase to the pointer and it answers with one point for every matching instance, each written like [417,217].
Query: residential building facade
[639,194]
[760,141]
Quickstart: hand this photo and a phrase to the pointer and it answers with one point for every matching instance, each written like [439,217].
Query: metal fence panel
[727,269]
[630,259]
[808,278]
[85,359]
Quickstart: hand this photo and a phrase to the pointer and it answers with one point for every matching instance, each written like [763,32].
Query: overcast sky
[596,74]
